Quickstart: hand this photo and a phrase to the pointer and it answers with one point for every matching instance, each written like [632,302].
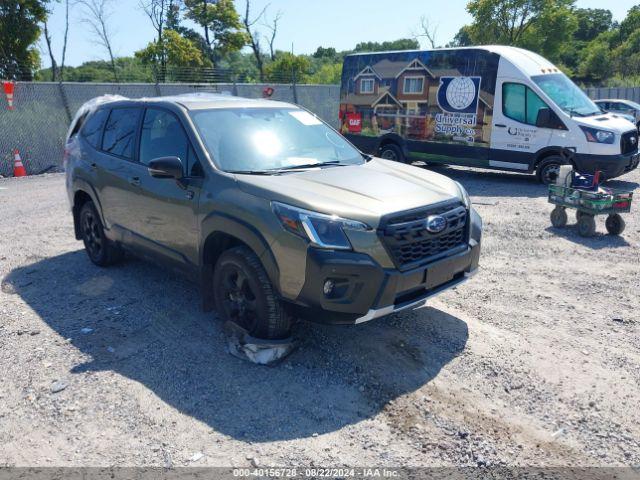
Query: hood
[359,192]
[607,121]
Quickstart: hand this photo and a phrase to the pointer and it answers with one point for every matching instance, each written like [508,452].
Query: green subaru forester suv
[273,213]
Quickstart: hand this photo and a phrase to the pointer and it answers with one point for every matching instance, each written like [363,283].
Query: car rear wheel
[391,151]
[99,248]
[244,295]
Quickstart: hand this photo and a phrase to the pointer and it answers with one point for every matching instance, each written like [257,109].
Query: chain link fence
[38,124]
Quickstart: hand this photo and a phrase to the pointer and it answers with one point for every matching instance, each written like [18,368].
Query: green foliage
[19,31]
[540,25]
[328,73]
[591,23]
[596,61]
[401,44]
[223,31]
[177,50]
[288,67]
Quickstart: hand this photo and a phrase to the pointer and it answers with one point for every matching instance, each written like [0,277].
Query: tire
[391,151]
[99,248]
[559,217]
[579,214]
[614,224]
[587,225]
[244,295]
[547,170]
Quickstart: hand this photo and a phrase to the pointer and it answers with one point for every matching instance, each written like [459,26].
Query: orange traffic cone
[18,168]
[9,88]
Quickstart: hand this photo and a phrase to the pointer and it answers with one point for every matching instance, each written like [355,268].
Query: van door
[166,212]
[515,139]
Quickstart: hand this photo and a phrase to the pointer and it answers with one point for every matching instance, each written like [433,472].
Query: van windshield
[566,95]
[269,140]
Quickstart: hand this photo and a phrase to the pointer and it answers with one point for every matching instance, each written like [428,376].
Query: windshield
[262,140]
[566,95]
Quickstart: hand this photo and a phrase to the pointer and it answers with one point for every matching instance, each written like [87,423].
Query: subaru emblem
[436,223]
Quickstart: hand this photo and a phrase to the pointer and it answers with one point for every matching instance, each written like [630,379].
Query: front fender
[219,222]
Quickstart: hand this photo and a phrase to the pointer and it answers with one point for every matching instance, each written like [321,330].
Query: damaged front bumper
[363,290]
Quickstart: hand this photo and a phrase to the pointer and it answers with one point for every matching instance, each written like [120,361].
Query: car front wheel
[244,295]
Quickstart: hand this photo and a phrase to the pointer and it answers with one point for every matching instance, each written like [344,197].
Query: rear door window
[92,130]
[120,132]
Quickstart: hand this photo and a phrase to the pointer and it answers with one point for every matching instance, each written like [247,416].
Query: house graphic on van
[417,102]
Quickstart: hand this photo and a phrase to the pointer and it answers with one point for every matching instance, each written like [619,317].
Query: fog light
[328,287]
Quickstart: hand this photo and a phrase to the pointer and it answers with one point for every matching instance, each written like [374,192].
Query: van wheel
[548,169]
[244,295]
[391,151]
[100,249]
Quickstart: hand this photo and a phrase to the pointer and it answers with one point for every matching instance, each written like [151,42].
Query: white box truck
[492,107]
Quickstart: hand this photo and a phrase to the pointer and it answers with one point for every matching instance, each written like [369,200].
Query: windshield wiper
[308,165]
[253,172]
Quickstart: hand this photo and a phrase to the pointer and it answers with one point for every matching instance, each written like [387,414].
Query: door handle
[501,125]
[189,194]
[94,166]
[135,181]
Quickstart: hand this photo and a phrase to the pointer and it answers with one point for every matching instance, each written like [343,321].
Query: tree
[223,30]
[401,44]
[591,23]
[507,21]
[52,58]
[19,31]
[426,29]
[180,54]
[596,62]
[272,26]
[288,67]
[631,23]
[97,15]
[253,36]
[158,12]
[329,73]
[540,25]
[462,38]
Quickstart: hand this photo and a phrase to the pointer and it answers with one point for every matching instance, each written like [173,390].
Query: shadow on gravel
[599,241]
[145,324]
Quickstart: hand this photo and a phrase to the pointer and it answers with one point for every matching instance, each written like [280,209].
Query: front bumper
[363,290]
[611,166]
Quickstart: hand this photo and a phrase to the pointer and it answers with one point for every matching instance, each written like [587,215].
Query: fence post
[65,102]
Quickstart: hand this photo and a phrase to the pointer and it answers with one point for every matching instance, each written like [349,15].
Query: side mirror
[547,118]
[166,167]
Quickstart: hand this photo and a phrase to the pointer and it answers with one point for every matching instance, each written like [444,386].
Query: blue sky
[306,24]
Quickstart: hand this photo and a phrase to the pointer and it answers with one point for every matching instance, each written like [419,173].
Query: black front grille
[410,243]
[629,142]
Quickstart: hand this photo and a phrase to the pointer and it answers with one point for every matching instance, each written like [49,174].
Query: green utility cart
[588,204]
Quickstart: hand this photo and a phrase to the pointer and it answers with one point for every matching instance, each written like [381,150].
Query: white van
[493,107]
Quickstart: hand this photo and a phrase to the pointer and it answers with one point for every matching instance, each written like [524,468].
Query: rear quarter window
[93,126]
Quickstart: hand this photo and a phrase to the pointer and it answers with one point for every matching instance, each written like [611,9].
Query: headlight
[465,196]
[325,231]
[598,136]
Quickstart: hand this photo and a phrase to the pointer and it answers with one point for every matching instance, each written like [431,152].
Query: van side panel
[439,103]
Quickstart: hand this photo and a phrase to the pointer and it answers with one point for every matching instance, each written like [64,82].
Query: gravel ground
[536,361]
